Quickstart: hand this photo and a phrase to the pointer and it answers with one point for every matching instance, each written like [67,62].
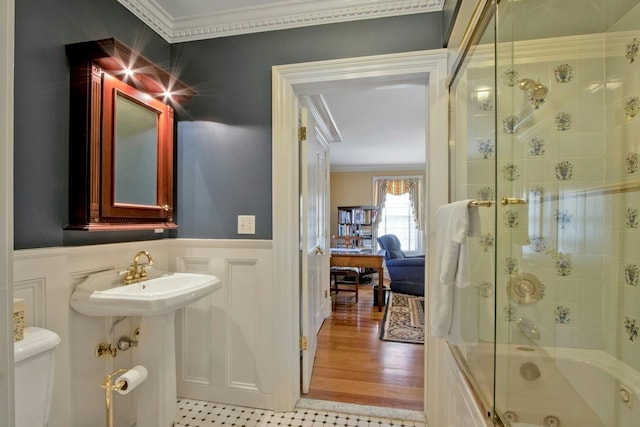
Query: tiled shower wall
[580,247]
[550,150]
[622,234]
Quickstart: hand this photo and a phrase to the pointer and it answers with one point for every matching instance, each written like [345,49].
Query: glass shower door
[567,144]
[472,177]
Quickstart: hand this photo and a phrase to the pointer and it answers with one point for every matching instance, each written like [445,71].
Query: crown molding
[277,16]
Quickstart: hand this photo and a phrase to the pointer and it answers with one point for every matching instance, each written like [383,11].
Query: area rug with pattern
[403,319]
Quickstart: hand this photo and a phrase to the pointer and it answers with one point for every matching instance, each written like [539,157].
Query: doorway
[289,82]
[376,130]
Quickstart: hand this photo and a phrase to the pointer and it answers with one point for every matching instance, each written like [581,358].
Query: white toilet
[33,358]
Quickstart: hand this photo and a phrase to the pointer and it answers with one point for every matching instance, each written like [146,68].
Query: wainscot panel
[226,341]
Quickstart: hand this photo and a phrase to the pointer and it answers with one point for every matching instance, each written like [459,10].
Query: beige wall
[356,188]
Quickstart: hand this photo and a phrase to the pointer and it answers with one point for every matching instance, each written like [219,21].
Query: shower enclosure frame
[564,288]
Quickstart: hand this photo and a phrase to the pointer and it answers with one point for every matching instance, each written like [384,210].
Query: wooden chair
[339,280]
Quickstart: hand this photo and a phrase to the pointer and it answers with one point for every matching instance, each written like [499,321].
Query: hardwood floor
[353,365]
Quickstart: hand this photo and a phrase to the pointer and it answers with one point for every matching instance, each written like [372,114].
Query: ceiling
[381,126]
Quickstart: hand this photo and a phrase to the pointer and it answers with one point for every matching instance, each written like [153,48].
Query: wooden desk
[362,260]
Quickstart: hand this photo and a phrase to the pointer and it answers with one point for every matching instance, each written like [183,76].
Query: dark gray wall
[449,14]
[223,161]
[43,27]
[224,137]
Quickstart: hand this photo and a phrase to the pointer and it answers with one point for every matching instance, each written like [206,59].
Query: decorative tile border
[631,275]
[511,218]
[510,265]
[564,170]
[486,241]
[485,104]
[510,312]
[631,163]
[631,217]
[537,191]
[536,102]
[631,327]
[486,193]
[510,77]
[563,121]
[536,146]
[510,172]
[563,218]
[563,73]
[537,243]
[485,289]
[509,123]
[632,107]
[562,315]
[485,148]
[632,50]
[563,263]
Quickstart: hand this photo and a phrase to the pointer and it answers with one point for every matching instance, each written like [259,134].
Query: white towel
[455,221]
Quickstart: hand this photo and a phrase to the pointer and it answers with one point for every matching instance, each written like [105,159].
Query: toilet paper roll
[131,379]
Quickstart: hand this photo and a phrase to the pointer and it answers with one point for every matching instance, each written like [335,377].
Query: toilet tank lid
[36,340]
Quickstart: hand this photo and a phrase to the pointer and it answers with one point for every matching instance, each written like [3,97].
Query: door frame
[7,9]
[287,81]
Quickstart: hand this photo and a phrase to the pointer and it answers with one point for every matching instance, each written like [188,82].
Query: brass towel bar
[504,202]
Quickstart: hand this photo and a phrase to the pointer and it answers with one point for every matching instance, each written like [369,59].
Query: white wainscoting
[461,406]
[46,278]
[225,341]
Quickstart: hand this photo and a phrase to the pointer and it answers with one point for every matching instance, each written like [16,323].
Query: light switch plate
[246,224]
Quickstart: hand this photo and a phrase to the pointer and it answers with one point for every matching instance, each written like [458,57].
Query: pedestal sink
[155,299]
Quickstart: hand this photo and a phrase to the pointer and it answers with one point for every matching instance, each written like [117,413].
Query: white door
[314,252]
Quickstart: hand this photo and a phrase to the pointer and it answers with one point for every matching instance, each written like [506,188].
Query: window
[398,219]
[398,201]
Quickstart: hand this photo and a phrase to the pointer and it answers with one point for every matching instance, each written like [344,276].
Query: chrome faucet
[137,272]
[528,328]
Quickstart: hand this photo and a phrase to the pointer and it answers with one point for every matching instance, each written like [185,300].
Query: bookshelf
[355,227]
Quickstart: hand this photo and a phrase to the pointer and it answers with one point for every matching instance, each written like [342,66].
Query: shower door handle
[512,201]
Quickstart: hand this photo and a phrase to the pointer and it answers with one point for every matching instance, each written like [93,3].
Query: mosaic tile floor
[309,413]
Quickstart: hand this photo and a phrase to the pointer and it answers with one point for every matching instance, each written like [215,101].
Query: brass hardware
[135,274]
[304,344]
[326,293]
[109,387]
[166,208]
[136,333]
[125,343]
[512,201]
[319,250]
[302,133]
[504,202]
[481,203]
[105,350]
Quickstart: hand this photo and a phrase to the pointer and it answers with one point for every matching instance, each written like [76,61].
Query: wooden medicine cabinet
[121,138]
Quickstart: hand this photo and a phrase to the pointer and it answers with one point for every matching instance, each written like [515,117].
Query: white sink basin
[103,294]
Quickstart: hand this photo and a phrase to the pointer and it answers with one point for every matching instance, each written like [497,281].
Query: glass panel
[136,153]
[472,176]
[568,261]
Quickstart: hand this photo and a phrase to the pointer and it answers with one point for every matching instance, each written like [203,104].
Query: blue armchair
[406,273]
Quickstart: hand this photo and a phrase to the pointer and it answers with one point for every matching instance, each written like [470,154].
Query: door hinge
[326,293]
[302,133]
[304,345]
